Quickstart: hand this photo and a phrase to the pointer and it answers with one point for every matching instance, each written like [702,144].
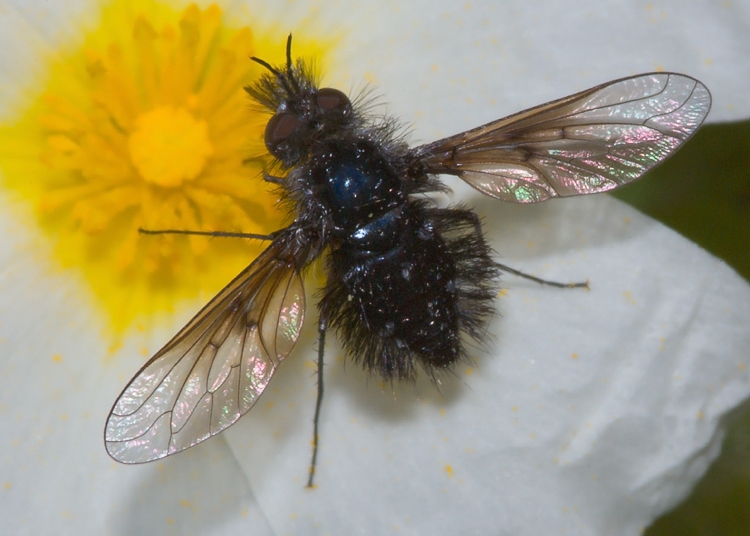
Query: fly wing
[590,142]
[213,371]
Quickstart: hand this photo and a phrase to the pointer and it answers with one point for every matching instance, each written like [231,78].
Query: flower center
[145,125]
[169,146]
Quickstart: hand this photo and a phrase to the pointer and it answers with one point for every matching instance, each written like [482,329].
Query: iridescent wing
[590,142]
[213,371]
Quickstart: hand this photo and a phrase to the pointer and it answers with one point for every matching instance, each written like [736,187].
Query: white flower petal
[55,22]
[56,391]
[461,64]
[594,412]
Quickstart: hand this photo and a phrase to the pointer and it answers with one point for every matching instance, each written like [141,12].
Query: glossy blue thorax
[352,186]
[364,195]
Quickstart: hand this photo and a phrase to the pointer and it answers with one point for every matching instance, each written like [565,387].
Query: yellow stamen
[146,124]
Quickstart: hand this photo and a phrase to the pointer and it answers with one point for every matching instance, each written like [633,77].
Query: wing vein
[590,142]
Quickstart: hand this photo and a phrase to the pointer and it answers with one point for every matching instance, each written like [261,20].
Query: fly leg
[505,268]
[220,234]
[322,324]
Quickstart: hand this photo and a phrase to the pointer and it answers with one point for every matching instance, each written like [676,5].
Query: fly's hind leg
[322,324]
[474,219]
[508,269]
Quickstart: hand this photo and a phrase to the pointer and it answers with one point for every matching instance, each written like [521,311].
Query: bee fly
[406,280]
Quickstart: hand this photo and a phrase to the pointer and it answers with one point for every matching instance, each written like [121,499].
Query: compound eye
[278,130]
[328,98]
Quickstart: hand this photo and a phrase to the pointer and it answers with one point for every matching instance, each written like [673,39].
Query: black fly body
[407,282]
[351,183]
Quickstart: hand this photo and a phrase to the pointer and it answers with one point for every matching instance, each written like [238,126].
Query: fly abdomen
[412,303]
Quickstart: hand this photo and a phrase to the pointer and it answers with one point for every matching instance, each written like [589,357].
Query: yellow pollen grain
[449,470]
[169,146]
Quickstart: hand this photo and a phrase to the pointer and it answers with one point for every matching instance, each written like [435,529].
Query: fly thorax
[360,189]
